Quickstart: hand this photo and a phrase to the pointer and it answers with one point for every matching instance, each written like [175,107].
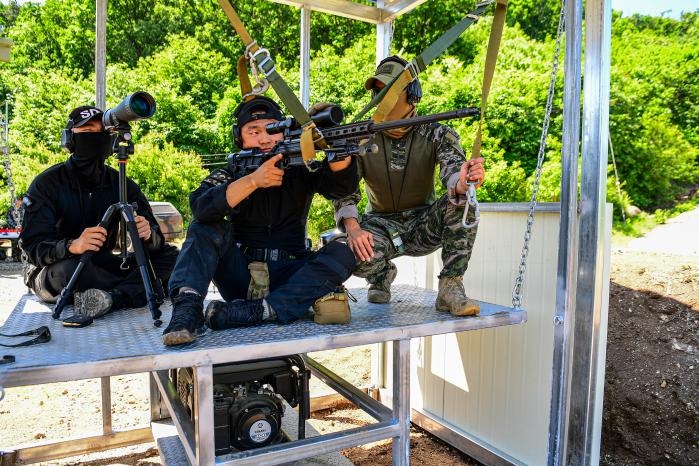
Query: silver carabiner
[471,201]
[262,84]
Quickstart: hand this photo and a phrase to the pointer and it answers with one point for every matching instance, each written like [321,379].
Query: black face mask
[91,150]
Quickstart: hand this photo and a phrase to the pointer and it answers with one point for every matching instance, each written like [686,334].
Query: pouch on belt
[259,280]
[333,308]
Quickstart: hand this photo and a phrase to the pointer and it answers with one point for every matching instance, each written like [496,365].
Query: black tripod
[123,147]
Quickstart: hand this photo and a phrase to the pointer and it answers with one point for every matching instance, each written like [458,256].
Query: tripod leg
[143,263]
[84,259]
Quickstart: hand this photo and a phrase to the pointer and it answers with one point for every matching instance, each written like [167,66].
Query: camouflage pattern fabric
[427,227]
[422,231]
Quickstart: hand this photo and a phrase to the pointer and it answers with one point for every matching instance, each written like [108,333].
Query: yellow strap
[489,70]
[307,144]
[245,86]
[237,24]
[391,98]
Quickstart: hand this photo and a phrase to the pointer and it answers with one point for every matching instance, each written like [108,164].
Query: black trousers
[211,253]
[104,271]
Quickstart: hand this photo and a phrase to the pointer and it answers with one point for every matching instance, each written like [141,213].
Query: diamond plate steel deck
[126,341]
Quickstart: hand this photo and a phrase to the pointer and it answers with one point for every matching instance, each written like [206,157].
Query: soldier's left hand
[143,228]
[471,172]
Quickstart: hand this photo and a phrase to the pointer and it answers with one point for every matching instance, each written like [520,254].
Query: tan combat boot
[380,293]
[452,298]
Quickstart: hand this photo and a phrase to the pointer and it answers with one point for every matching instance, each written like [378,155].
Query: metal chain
[519,281]
[5,148]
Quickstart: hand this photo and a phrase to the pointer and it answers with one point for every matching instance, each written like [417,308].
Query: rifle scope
[330,116]
[136,106]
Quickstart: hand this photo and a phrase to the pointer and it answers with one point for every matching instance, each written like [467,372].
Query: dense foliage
[184,53]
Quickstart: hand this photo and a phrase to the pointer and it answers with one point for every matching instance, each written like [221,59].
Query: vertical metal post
[401,401]
[204,416]
[305,56]
[101,53]
[158,410]
[384,36]
[106,390]
[582,435]
[568,234]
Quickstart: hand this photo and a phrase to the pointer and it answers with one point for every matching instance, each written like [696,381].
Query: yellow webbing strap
[391,97]
[489,70]
[310,138]
[245,86]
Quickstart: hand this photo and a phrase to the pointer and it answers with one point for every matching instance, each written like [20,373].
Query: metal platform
[127,342]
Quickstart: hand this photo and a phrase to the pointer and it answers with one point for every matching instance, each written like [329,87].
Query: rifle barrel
[419,120]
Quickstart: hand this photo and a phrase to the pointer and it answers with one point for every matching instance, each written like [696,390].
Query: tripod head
[123,145]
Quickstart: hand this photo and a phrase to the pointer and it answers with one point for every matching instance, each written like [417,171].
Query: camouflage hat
[386,72]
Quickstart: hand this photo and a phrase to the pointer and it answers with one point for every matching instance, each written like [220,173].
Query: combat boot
[380,293]
[452,298]
[221,315]
[92,302]
[187,320]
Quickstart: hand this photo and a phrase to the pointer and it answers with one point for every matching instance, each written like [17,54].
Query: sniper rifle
[343,140]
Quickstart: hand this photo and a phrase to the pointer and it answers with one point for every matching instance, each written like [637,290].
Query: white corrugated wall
[493,385]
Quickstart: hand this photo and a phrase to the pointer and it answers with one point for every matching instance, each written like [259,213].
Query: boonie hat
[81,115]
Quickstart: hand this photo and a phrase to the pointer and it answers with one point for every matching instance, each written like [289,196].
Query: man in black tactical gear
[63,207]
[249,237]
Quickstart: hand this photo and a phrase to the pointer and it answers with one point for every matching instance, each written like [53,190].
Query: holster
[333,308]
[259,280]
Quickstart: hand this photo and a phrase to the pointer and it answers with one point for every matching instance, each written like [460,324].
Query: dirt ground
[651,397]
[651,393]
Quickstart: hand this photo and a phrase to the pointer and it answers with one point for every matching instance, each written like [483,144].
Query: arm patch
[218,177]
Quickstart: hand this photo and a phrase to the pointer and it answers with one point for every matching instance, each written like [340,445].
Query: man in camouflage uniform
[403,217]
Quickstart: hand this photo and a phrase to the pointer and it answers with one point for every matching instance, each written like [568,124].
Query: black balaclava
[91,151]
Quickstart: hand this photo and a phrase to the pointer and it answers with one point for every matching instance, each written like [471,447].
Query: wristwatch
[68,243]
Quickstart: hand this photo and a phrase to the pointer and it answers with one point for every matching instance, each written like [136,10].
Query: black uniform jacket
[275,217]
[58,208]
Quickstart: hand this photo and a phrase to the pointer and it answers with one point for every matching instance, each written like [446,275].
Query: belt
[266,254]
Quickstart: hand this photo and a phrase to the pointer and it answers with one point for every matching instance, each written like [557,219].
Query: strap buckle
[471,201]
[261,63]
[262,85]
[412,69]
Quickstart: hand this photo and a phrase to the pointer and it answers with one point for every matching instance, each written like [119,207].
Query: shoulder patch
[218,177]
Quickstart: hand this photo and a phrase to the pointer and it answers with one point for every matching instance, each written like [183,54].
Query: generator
[249,400]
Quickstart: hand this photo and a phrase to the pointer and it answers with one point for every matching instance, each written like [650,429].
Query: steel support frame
[305,56]
[198,437]
[583,433]
[101,53]
[568,233]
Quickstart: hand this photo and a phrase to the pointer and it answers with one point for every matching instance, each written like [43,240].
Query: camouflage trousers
[422,231]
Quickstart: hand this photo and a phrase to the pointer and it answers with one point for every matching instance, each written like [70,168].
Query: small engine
[249,400]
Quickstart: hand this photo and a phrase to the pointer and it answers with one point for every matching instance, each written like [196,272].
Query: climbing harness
[519,280]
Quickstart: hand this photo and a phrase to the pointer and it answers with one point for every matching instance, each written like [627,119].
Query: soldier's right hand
[268,175]
[91,239]
[361,242]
